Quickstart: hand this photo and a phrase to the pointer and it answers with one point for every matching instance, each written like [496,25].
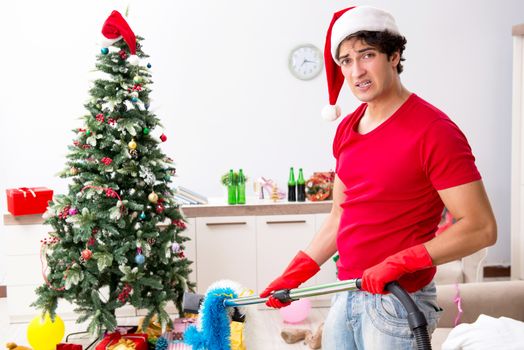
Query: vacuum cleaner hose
[416,319]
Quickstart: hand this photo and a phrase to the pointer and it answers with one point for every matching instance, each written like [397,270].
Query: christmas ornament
[153,197]
[73,211]
[137,79]
[124,294]
[167,177]
[149,65]
[175,247]
[159,209]
[86,254]
[91,241]
[106,160]
[163,138]
[134,99]
[145,131]
[122,54]
[146,106]
[133,153]
[73,171]
[140,259]
[88,132]
[132,144]
[104,51]
[100,117]
[142,216]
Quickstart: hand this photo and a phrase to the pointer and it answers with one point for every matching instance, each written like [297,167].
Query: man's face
[369,73]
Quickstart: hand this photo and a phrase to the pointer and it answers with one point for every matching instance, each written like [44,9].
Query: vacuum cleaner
[221,304]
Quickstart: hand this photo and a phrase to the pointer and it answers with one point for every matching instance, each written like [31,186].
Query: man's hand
[392,268]
[301,268]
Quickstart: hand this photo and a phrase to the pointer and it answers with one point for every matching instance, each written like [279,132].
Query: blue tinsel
[215,330]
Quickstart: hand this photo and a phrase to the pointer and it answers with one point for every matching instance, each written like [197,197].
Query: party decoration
[140,259]
[132,144]
[104,50]
[145,131]
[163,138]
[296,312]
[86,254]
[153,197]
[319,187]
[44,334]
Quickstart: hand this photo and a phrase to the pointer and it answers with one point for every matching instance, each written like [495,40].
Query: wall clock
[305,61]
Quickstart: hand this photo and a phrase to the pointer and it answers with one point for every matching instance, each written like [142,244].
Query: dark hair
[385,42]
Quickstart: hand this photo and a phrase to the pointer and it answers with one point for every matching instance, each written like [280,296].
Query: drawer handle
[286,222]
[225,223]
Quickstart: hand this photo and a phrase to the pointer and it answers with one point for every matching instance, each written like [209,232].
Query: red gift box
[25,201]
[112,339]
[63,346]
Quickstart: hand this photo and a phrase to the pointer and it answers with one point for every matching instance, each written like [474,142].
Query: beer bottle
[231,188]
[301,187]
[291,187]
[241,190]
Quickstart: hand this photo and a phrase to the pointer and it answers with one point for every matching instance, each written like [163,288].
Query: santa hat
[344,23]
[116,28]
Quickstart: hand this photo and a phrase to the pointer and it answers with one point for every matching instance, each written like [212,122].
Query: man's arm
[324,243]
[475,228]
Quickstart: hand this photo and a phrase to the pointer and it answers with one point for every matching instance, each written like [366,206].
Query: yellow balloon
[43,334]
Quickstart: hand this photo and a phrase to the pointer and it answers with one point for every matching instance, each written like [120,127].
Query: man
[399,161]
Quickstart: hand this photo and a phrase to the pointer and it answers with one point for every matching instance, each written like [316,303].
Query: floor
[265,325]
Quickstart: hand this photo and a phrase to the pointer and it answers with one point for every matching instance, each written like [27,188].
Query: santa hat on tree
[116,28]
[344,23]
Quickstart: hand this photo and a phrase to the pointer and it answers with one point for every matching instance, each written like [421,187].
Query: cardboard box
[28,200]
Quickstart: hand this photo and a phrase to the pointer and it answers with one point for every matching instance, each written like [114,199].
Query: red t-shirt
[392,175]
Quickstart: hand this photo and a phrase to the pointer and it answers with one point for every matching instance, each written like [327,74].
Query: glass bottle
[301,187]
[231,188]
[241,190]
[291,187]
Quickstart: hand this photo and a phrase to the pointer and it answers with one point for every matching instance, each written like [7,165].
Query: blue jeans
[364,321]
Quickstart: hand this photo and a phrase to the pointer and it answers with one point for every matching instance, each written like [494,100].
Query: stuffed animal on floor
[13,346]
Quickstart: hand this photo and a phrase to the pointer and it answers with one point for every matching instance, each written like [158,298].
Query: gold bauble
[153,197]
[132,144]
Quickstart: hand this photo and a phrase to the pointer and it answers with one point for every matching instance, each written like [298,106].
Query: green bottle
[291,187]
[241,190]
[301,187]
[231,188]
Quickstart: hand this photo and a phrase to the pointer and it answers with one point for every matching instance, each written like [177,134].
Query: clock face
[305,62]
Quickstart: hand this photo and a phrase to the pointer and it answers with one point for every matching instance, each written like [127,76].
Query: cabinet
[517,156]
[226,249]
[279,238]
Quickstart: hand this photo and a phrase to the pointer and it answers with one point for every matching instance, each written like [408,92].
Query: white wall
[225,95]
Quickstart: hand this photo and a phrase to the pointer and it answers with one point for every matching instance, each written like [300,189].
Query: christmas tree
[116,235]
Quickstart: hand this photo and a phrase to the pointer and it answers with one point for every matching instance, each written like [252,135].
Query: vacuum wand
[289,295]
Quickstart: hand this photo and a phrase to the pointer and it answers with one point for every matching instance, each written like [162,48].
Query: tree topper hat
[344,23]
[115,28]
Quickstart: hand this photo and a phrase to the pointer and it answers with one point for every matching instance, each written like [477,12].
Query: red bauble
[87,254]
[163,138]
[159,209]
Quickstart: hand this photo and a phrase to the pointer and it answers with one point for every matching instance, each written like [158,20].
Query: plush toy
[13,346]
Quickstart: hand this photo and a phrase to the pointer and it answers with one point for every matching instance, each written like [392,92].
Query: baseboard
[3,291]
[497,271]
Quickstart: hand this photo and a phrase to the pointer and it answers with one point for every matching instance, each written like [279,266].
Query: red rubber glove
[301,268]
[406,261]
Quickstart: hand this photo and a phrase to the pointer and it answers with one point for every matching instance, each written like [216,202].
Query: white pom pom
[331,112]
[134,60]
